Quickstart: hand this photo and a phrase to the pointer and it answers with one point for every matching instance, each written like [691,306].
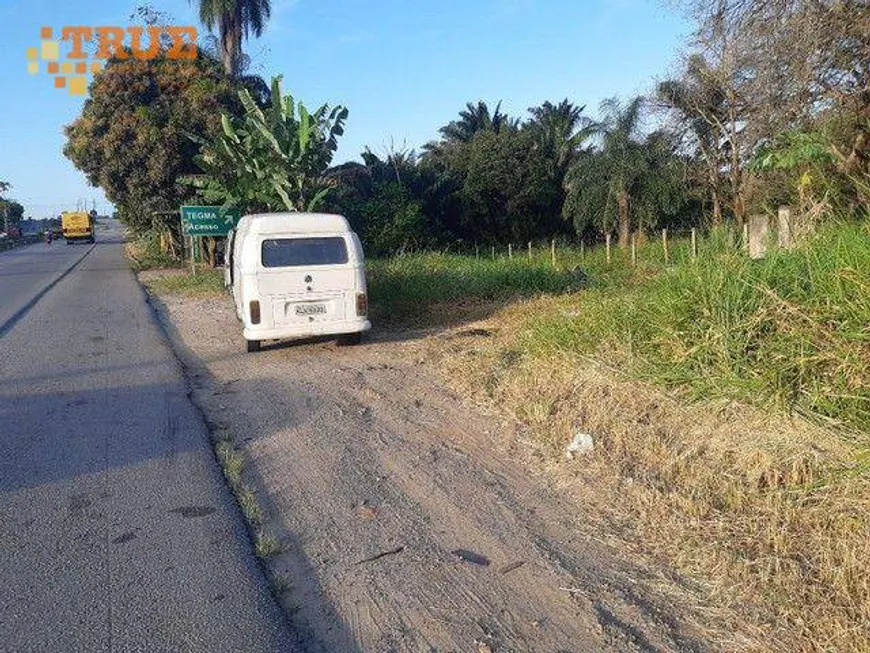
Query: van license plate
[311,309]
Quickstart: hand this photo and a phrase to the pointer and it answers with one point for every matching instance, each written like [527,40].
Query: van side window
[296,252]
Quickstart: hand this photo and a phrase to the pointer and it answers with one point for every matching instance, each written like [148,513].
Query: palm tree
[622,155]
[473,119]
[234,19]
[560,131]
[604,181]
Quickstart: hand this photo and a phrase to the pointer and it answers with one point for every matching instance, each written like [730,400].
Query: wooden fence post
[607,245]
[510,250]
[476,251]
[665,245]
[211,248]
[634,248]
[553,251]
[582,250]
[694,244]
[746,236]
[530,250]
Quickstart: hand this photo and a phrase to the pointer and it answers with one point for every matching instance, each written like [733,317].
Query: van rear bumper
[306,330]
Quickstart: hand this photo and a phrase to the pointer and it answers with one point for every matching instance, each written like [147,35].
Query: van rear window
[296,252]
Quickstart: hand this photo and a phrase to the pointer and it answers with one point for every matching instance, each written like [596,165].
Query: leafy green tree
[383,198]
[392,220]
[445,163]
[11,211]
[271,158]
[234,19]
[358,180]
[662,197]
[507,193]
[442,171]
[130,137]
[14,212]
[806,161]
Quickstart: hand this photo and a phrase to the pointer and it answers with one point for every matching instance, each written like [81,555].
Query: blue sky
[402,67]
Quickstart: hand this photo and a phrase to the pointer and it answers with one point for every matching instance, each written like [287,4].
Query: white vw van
[295,275]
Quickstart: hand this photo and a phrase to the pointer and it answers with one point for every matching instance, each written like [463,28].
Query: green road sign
[208,220]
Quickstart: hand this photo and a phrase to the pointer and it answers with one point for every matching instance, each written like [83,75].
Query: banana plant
[273,157]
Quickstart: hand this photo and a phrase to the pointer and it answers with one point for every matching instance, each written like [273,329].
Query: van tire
[253,346]
[350,339]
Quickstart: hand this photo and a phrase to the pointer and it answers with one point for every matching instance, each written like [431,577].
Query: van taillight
[362,304]
[255,312]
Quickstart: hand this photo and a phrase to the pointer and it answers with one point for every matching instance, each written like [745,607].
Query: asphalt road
[26,271]
[117,532]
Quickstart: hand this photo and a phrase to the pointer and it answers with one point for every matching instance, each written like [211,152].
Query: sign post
[199,221]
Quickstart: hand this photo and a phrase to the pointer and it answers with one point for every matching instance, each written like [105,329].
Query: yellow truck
[77,225]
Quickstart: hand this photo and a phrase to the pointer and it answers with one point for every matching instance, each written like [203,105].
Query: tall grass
[404,288]
[790,331]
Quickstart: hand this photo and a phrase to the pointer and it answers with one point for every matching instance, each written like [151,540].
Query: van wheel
[253,346]
[350,339]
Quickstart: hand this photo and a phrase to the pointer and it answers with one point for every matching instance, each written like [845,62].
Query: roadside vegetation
[751,121]
[409,288]
[203,282]
[146,253]
[790,332]
[232,461]
[11,213]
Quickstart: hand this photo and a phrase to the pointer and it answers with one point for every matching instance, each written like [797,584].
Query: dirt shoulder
[410,519]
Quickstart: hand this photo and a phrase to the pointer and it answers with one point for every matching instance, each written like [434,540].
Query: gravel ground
[410,520]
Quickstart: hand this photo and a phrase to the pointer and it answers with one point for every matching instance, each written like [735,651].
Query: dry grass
[266,546]
[771,514]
